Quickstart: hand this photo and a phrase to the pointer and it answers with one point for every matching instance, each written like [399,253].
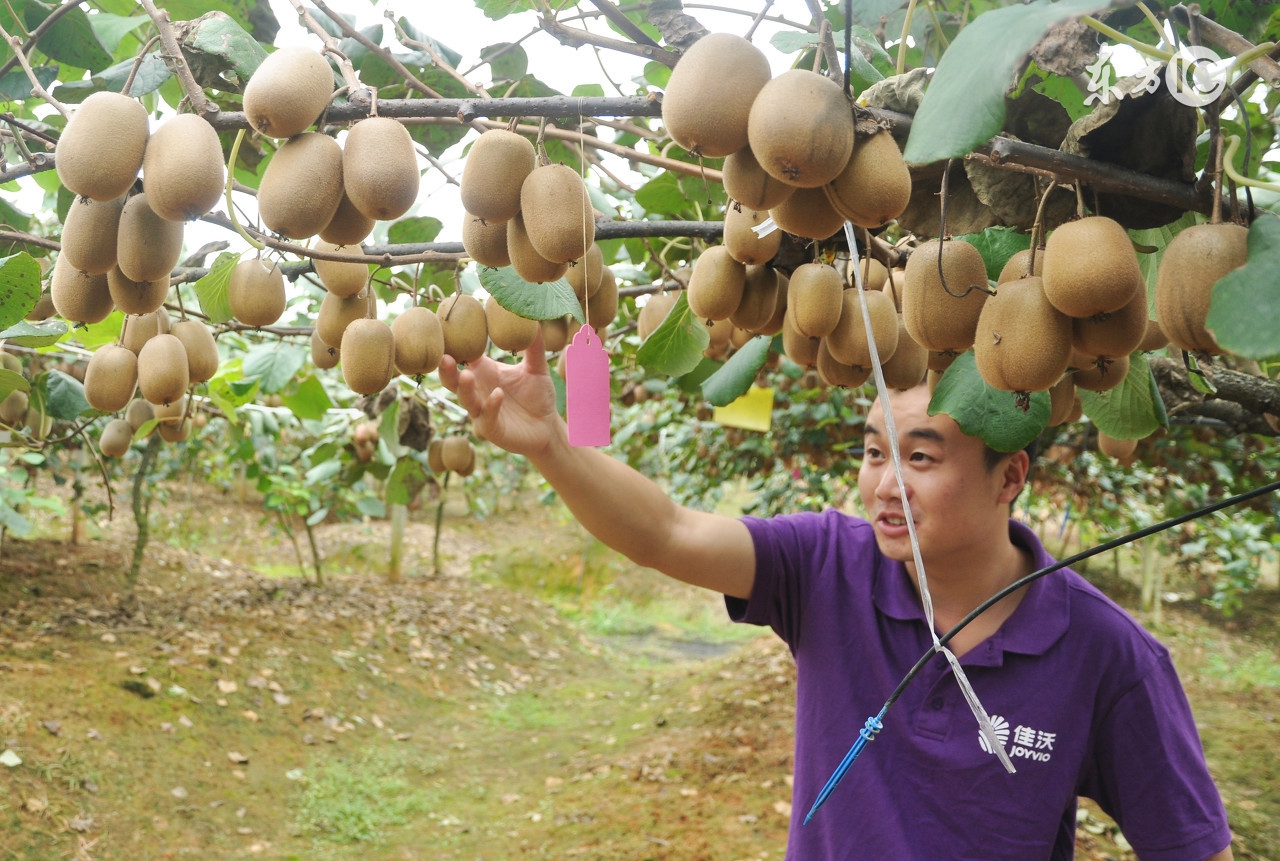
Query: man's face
[959,506]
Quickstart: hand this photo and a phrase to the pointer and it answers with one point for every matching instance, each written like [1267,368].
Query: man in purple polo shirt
[1084,700]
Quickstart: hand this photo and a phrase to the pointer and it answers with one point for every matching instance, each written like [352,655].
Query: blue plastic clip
[866,734]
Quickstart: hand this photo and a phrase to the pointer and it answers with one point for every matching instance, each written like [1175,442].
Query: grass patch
[357,801]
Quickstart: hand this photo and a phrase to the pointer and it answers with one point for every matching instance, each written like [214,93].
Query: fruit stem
[901,65]
[1116,36]
[1228,166]
[231,181]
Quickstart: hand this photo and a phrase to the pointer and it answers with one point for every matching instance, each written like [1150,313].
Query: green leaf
[588,91]
[997,245]
[11,215]
[12,521]
[41,334]
[1131,410]
[986,412]
[64,396]
[450,56]
[70,39]
[675,347]
[737,374]
[415,230]
[405,482]
[389,430]
[111,29]
[19,288]
[11,381]
[1158,238]
[548,301]
[310,401]
[274,365]
[211,290]
[15,86]
[151,75]
[964,105]
[223,38]
[507,61]
[693,380]
[105,332]
[1246,301]
[863,71]
[662,194]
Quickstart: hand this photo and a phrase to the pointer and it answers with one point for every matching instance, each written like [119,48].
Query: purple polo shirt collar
[1040,620]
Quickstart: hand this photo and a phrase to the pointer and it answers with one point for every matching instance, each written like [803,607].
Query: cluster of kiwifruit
[364,440]
[453,453]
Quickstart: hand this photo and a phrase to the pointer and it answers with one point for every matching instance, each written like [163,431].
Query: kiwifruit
[464,325]
[738,338]
[749,184]
[909,362]
[557,213]
[1090,267]
[322,355]
[77,297]
[202,351]
[774,326]
[507,330]
[715,288]
[1062,397]
[380,168]
[940,360]
[138,413]
[89,234]
[1121,450]
[601,309]
[172,422]
[100,151]
[338,312]
[485,241]
[1099,374]
[110,378]
[1194,260]
[435,455]
[555,334]
[1116,334]
[147,246]
[39,423]
[1155,338]
[808,213]
[801,128]
[349,226]
[943,318]
[525,259]
[368,356]
[496,166]
[1019,265]
[874,186]
[457,454]
[797,346]
[874,274]
[116,438]
[815,299]
[719,332]
[834,372]
[1022,343]
[708,98]
[288,91]
[13,408]
[847,342]
[653,312]
[419,341]
[10,362]
[743,243]
[587,274]
[302,186]
[759,298]
[340,277]
[137,297]
[255,292]
[163,375]
[183,172]
[43,309]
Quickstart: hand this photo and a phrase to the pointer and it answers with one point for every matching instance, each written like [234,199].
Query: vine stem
[231,181]
[1116,36]
[1228,167]
[175,60]
[901,65]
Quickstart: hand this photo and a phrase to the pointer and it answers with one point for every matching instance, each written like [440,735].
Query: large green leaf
[274,365]
[662,194]
[111,29]
[13,522]
[310,400]
[11,381]
[548,301]
[218,45]
[211,290]
[40,334]
[64,396]
[151,75]
[1131,410]
[70,39]
[405,482]
[964,105]
[735,376]
[414,230]
[15,86]
[982,411]
[675,347]
[997,245]
[1245,308]
[19,288]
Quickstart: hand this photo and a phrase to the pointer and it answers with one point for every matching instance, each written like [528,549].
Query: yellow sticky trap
[751,411]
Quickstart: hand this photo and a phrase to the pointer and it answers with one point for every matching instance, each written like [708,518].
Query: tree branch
[353,33]
[177,62]
[38,32]
[574,38]
[330,47]
[1228,40]
[37,88]
[623,23]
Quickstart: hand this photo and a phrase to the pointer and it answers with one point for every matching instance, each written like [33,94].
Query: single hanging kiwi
[89,234]
[601,309]
[137,330]
[1193,261]
[485,241]
[1019,265]
[742,241]
[163,374]
[774,325]
[708,98]
[798,347]
[202,351]
[137,297]
[751,185]
[557,213]
[368,356]
[1062,398]
[116,438]
[419,341]
[716,285]
[1116,334]
[322,355]
[815,299]
[587,274]
[907,367]
[1090,267]
[800,128]
[147,246]
[509,331]
[380,168]
[1099,374]
[875,186]
[288,91]
[653,313]
[834,372]
[302,186]
[110,378]
[349,226]
[809,214]
[943,317]
[77,297]
[340,277]
[172,422]
[256,293]
[848,343]
[183,172]
[759,299]
[555,334]
[496,167]
[101,149]
[525,259]
[1022,342]
[338,312]
[463,323]
[138,413]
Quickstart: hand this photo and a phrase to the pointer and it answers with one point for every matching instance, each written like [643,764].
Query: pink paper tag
[586,384]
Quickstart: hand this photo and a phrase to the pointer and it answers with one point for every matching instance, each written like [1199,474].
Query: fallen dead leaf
[237,757]
[250,714]
[227,686]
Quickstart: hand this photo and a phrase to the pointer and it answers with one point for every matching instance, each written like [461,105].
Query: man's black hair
[991,458]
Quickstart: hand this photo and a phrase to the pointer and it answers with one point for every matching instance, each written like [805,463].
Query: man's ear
[1013,476]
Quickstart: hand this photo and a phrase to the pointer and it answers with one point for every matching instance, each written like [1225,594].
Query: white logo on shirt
[1028,743]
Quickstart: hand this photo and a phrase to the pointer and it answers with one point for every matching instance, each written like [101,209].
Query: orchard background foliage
[1007,132]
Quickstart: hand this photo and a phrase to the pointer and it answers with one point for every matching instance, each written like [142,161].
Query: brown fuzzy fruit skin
[653,313]
[137,297]
[147,246]
[1090,267]
[1022,343]
[708,98]
[13,408]
[715,288]
[340,277]
[368,356]
[255,293]
[1193,262]
[43,309]
[875,186]
[457,454]
[172,422]
[138,413]
[1019,265]
[847,342]
[751,185]
[834,372]
[183,171]
[1099,375]
[1121,450]
[336,313]
[815,299]
[741,240]
[100,151]
[496,167]
[349,226]
[89,234]
[419,341]
[323,356]
[759,299]
[774,325]
[77,297]
[801,128]
[202,350]
[797,346]
[601,309]
[525,259]
[1062,399]
[111,378]
[485,241]
[1116,334]
[586,275]
[555,334]
[909,363]
[1154,339]
[380,168]
[116,438]
[466,331]
[936,319]
[809,214]
[557,213]
[288,92]
[302,186]
[163,375]
[509,331]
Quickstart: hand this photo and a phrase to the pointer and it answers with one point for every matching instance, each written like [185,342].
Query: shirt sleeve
[1150,775]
